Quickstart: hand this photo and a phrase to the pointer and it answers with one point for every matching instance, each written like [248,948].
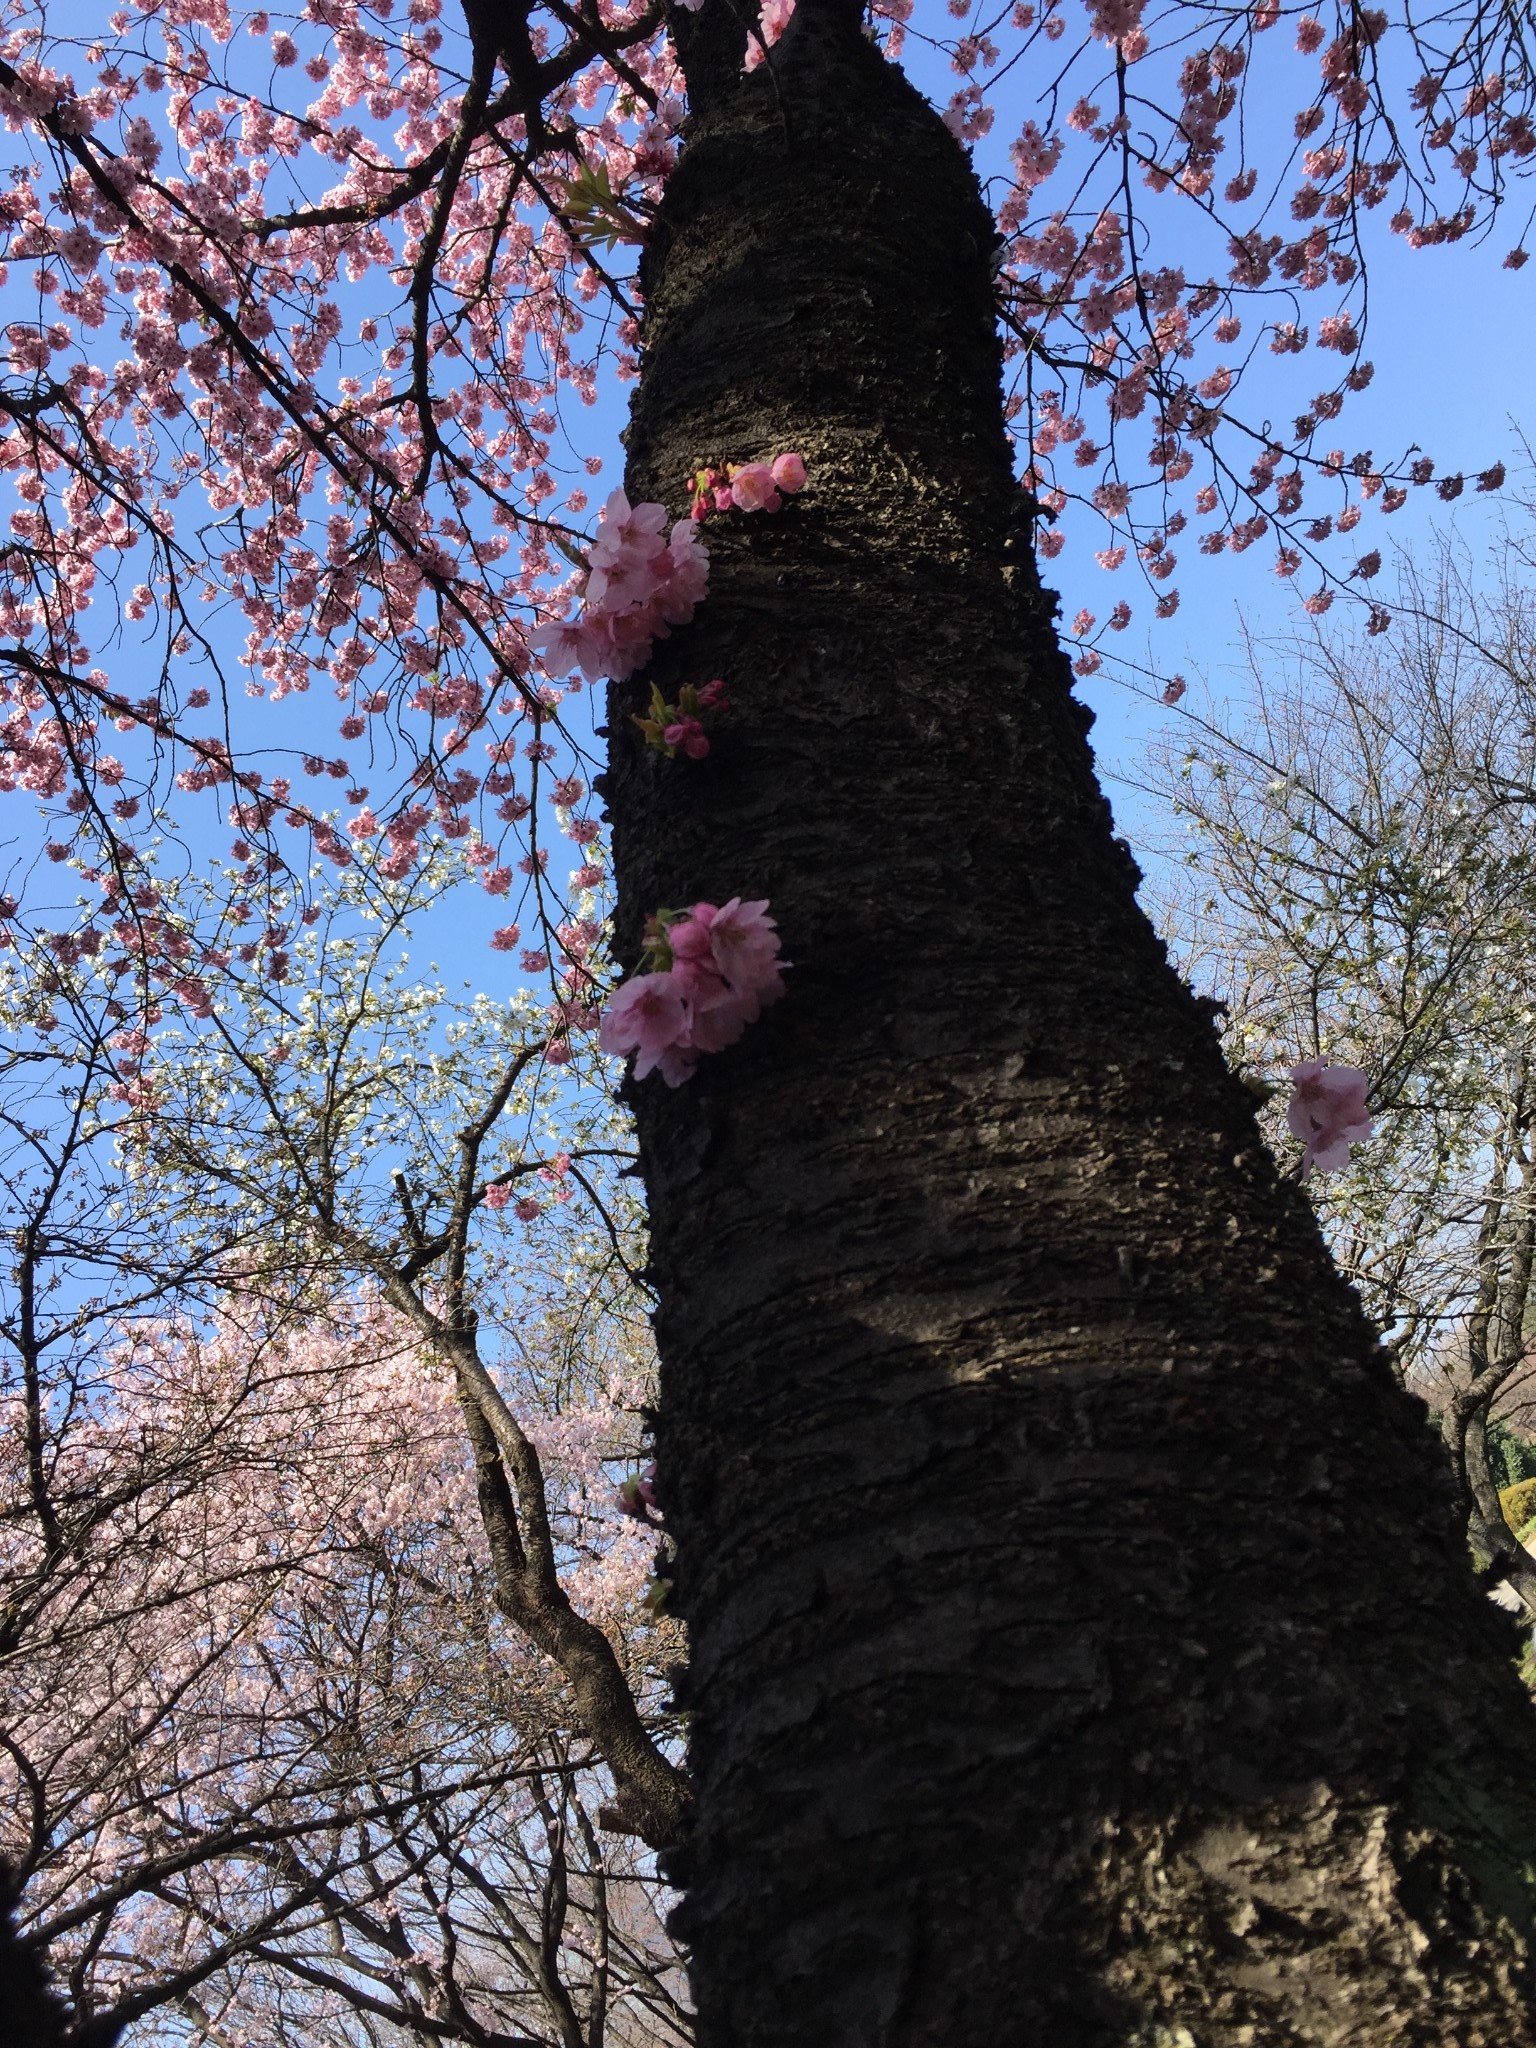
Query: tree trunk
[31,2010]
[1083,1648]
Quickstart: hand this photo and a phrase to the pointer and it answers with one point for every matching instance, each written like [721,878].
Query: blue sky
[1448,333]
[1451,341]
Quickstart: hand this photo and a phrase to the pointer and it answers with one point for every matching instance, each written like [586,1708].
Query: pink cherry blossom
[690,736]
[774,18]
[719,1015]
[641,582]
[623,556]
[693,961]
[753,488]
[720,969]
[1328,1112]
[648,1016]
[789,474]
[744,943]
[685,577]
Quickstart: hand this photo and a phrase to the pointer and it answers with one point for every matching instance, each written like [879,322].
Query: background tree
[1358,882]
[270,1753]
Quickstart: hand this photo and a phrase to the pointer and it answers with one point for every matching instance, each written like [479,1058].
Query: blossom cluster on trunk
[715,969]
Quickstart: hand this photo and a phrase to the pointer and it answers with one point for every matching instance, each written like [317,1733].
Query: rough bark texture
[1083,1649]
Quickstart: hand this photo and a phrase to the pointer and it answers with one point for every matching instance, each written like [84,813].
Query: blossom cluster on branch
[674,729]
[746,486]
[641,582]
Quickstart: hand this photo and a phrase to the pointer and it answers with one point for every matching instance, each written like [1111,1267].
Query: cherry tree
[363,267]
[1040,1495]
[271,1748]
[263,1736]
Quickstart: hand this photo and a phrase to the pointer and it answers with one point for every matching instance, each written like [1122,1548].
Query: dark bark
[1083,1647]
[33,2015]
